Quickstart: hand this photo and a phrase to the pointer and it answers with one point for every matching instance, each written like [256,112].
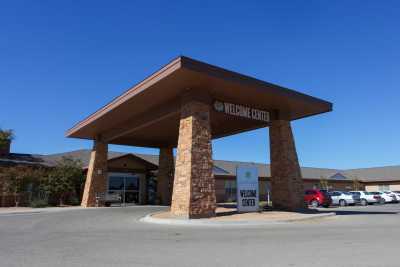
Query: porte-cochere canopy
[185,105]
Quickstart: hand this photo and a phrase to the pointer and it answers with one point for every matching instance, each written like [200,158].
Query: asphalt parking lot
[357,236]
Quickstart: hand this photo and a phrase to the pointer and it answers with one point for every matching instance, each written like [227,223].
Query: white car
[394,195]
[397,193]
[385,198]
[365,197]
[112,198]
[341,198]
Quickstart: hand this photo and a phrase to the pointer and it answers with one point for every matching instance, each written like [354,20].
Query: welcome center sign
[247,188]
[242,111]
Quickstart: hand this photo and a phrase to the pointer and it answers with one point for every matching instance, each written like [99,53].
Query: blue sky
[60,61]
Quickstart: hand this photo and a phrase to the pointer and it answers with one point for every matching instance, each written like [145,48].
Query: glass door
[131,192]
[115,190]
[123,188]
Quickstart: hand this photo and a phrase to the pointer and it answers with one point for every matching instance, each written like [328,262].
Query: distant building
[135,175]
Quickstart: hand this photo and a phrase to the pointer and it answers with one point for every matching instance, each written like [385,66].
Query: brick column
[96,179]
[165,175]
[286,181]
[194,186]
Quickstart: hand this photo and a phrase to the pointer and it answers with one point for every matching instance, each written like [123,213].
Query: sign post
[247,188]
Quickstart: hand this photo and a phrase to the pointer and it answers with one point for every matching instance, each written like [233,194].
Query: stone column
[164,176]
[96,178]
[194,185]
[286,181]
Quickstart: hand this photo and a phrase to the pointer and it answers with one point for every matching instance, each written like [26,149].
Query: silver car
[341,198]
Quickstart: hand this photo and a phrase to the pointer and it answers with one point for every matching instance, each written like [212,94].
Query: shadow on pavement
[227,205]
[352,212]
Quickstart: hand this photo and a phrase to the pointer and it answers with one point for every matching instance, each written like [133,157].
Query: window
[384,187]
[230,190]
[132,183]
[115,183]
[121,182]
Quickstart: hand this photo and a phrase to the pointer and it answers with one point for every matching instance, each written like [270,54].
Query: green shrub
[39,203]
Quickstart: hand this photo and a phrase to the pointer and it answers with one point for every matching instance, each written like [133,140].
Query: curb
[205,222]
[37,211]
[20,213]
[59,209]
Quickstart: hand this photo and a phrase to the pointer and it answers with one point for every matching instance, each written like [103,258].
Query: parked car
[394,195]
[317,198]
[397,193]
[112,198]
[366,197]
[342,198]
[385,198]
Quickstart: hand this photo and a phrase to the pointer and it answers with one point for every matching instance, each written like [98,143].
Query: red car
[317,198]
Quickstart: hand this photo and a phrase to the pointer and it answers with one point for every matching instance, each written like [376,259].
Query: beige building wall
[393,186]
[371,188]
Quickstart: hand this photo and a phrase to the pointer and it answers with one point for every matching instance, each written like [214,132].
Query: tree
[15,179]
[324,183]
[64,179]
[6,136]
[356,183]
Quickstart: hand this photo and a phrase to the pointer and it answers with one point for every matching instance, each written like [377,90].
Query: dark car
[316,198]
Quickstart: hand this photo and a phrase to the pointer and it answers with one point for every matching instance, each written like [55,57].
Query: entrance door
[123,188]
[131,189]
